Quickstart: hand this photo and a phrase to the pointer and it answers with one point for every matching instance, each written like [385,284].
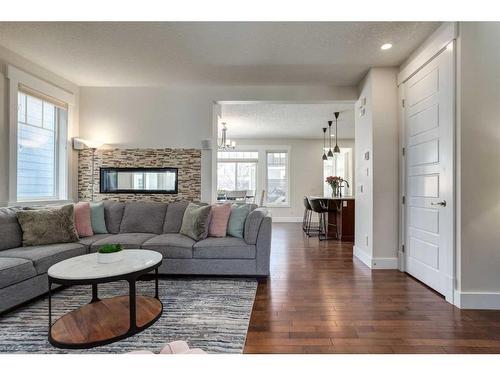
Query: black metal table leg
[132,305]
[156,284]
[95,296]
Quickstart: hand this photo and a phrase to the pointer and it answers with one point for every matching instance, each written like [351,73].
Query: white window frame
[18,78]
[261,183]
[349,164]
[282,150]
[237,161]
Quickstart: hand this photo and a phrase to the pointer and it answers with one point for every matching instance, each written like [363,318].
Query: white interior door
[429,163]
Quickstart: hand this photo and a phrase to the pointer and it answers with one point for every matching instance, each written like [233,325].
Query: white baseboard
[287,219]
[477,300]
[362,256]
[376,263]
[385,263]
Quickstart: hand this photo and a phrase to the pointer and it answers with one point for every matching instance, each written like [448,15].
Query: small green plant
[108,249]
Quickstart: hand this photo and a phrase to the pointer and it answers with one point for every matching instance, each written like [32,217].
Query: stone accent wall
[188,161]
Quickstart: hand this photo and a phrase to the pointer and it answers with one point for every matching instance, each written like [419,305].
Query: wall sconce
[81,144]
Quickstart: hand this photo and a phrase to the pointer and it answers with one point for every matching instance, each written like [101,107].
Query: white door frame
[444,37]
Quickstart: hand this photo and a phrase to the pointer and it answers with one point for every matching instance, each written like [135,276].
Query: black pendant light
[324,144]
[337,148]
[330,153]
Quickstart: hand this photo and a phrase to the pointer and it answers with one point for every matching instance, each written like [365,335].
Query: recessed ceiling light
[386,46]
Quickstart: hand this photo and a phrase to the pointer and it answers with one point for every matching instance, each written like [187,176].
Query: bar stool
[318,206]
[335,207]
[306,221]
[321,207]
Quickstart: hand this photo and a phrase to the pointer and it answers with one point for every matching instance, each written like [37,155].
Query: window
[339,165]
[39,123]
[277,178]
[237,170]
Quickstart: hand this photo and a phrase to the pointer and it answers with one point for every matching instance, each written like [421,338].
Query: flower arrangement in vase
[336,183]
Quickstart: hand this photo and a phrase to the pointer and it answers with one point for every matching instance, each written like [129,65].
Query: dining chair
[261,200]
[236,195]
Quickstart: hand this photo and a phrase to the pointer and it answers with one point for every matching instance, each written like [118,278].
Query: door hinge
[403,200]
[403,103]
[403,151]
[402,248]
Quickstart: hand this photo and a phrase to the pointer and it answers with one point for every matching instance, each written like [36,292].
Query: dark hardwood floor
[319,300]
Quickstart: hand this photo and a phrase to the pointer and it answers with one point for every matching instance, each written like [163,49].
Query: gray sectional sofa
[146,225]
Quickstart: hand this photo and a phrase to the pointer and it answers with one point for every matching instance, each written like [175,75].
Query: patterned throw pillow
[82,219]
[46,226]
[195,221]
[219,220]
[97,218]
[236,225]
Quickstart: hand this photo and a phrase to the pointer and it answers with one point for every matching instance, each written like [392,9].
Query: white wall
[363,133]
[177,116]
[385,164]
[306,171]
[479,158]
[8,57]
[376,233]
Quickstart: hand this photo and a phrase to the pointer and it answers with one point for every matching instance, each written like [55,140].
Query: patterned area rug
[208,313]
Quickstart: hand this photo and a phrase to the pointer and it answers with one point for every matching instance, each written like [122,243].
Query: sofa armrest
[252,224]
[263,246]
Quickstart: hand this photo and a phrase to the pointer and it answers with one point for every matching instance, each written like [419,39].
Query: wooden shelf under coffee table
[107,320]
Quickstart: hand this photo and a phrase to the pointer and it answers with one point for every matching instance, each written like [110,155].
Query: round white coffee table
[107,320]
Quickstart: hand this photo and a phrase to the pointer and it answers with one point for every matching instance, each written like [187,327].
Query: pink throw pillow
[82,219]
[219,220]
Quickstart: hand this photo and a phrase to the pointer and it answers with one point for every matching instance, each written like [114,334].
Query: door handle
[442,204]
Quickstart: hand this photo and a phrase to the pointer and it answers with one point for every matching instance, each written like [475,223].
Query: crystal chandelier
[225,143]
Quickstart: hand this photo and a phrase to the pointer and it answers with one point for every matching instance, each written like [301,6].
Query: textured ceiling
[165,53]
[286,120]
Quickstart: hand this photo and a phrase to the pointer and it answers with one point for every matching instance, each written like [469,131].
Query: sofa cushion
[15,270]
[44,256]
[236,224]
[10,231]
[252,224]
[219,220]
[223,248]
[127,240]
[173,218]
[171,245]
[97,218]
[196,221]
[82,219]
[48,226]
[113,213]
[143,217]
[88,241]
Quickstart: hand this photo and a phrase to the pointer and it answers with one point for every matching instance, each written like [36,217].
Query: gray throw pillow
[10,231]
[97,218]
[195,221]
[236,224]
[46,226]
